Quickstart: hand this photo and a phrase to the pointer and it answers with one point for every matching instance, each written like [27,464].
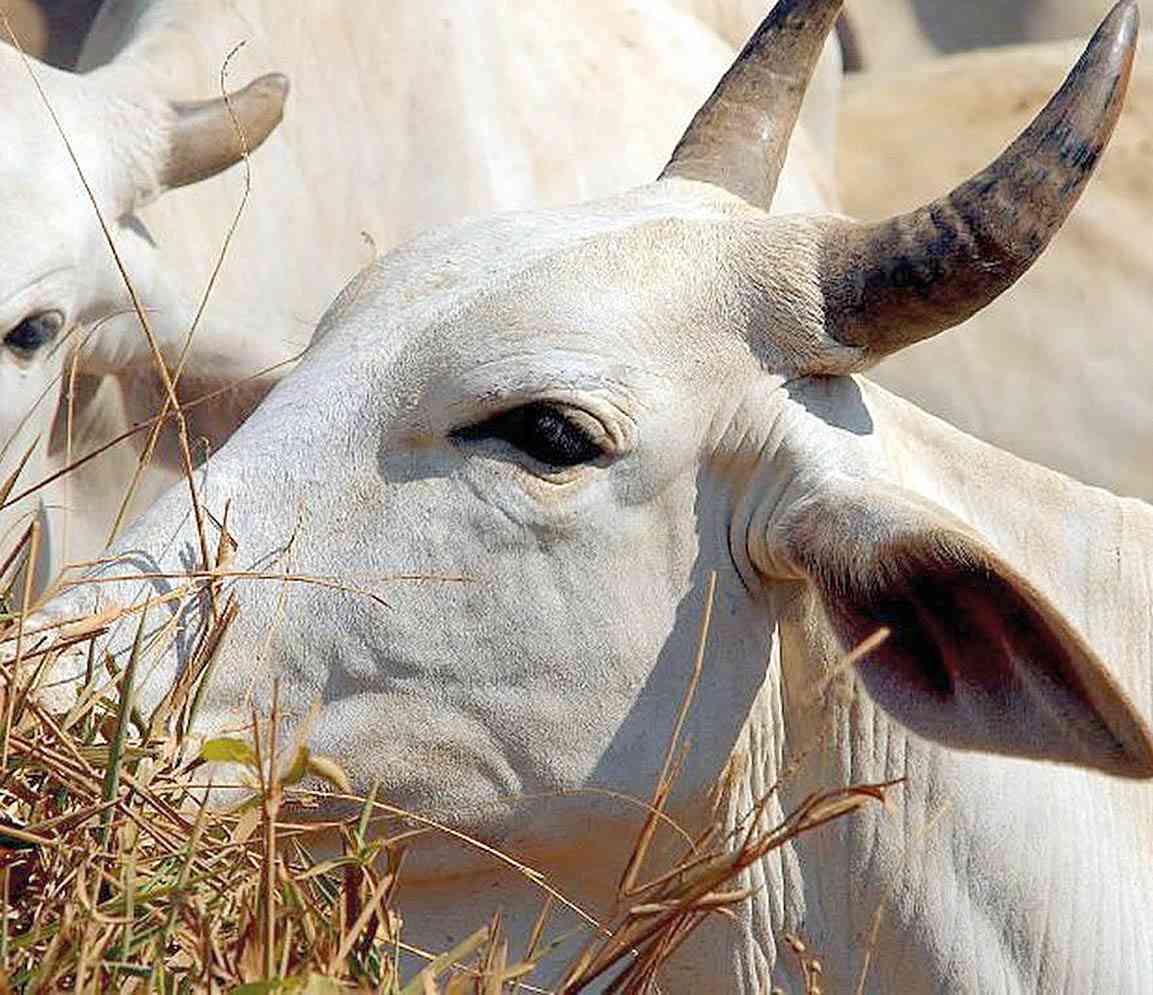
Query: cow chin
[441,773]
[428,759]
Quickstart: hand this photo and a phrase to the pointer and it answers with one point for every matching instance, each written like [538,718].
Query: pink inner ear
[975,661]
[953,625]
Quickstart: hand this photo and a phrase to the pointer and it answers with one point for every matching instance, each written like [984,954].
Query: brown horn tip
[738,139]
[891,284]
[208,136]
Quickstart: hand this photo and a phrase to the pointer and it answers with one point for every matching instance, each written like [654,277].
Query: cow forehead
[451,265]
[34,165]
[37,268]
[43,203]
[53,122]
[645,281]
[30,136]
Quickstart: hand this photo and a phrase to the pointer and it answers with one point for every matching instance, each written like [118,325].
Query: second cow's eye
[540,430]
[34,332]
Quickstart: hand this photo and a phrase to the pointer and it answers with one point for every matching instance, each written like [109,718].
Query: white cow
[564,421]
[1069,324]
[403,115]
[61,294]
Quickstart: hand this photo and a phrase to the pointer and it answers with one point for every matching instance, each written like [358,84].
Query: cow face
[504,402]
[72,247]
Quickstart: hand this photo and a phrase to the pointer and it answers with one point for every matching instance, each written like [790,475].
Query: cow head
[498,482]
[71,246]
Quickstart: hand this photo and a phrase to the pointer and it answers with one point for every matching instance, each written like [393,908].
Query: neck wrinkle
[759,769]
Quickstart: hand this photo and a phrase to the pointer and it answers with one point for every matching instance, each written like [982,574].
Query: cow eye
[541,431]
[34,332]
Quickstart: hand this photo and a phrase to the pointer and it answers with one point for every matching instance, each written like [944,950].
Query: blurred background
[893,32]
[52,30]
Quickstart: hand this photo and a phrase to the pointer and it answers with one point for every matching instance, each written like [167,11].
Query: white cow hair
[545,649]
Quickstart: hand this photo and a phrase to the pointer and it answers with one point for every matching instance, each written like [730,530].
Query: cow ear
[976,657]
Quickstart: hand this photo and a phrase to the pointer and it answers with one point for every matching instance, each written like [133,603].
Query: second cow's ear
[976,658]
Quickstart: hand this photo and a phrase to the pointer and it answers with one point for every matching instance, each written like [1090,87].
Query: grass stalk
[123,717]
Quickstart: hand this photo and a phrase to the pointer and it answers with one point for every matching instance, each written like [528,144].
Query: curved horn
[739,138]
[206,135]
[894,283]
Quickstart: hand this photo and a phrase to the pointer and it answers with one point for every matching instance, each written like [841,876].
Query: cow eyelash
[34,332]
[540,430]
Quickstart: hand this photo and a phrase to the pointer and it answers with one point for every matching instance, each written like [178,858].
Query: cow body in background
[894,35]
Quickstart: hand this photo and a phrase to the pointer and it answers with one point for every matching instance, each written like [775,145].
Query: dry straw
[118,877]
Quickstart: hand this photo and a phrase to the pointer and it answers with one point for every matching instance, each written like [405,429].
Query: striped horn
[891,284]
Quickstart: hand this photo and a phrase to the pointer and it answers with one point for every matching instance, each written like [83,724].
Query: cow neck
[1085,549]
[758,777]
[881,893]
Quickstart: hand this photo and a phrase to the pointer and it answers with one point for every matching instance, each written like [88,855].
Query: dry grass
[114,876]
